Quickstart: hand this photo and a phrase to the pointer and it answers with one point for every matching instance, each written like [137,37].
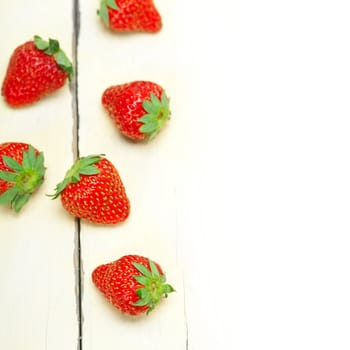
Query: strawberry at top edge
[130,16]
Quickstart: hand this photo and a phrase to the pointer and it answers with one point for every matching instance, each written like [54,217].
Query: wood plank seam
[78,266]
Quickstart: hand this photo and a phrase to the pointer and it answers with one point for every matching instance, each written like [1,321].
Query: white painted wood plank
[266,179]
[150,175]
[278,221]
[37,294]
[274,165]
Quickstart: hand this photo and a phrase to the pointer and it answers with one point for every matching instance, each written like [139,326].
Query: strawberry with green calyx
[93,190]
[139,109]
[36,69]
[133,284]
[22,172]
[157,115]
[52,48]
[130,15]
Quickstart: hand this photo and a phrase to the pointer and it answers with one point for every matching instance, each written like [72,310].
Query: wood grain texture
[150,173]
[38,296]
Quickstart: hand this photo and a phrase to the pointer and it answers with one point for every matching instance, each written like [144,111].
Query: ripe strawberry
[139,109]
[130,15]
[92,190]
[21,173]
[36,68]
[133,284]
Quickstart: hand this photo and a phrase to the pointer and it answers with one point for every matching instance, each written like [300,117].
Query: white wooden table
[243,198]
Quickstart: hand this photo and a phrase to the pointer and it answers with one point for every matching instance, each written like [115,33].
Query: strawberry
[139,109]
[21,173]
[130,15]
[133,284]
[93,190]
[36,68]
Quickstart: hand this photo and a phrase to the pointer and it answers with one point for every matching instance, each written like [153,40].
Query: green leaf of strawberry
[21,179]
[64,62]
[52,48]
[103,11]
[154,285]
[83,166]
[12,163]
[158,114]
[40,43]
[9,177]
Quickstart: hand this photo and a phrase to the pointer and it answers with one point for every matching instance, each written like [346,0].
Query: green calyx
[157,115]
[52,48]
[103,10]
[25,177]
[83,166]
[154,286]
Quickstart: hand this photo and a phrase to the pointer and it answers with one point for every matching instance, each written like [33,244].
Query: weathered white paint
[37,294]
[242,198]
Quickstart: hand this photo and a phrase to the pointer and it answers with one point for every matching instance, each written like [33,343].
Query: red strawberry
[36,69]
[130,15]
[133,284]
[139,109]
[92,190]
[21,173]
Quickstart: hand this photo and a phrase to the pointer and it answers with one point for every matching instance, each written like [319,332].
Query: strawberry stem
[154,286]
[157,115]
[25,178]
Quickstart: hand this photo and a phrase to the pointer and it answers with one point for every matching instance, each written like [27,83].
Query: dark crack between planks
[78,265]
